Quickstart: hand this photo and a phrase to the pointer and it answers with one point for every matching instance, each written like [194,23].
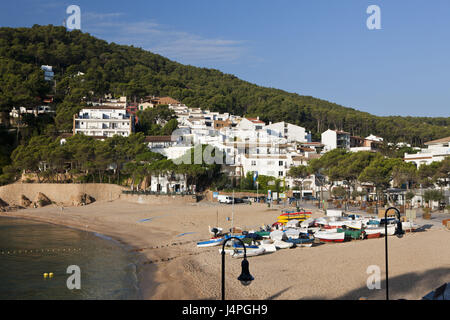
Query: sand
[172,267]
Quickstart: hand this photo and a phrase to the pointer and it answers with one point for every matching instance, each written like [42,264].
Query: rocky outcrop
[25,202]
[42,200]
[82,199]
[3,205]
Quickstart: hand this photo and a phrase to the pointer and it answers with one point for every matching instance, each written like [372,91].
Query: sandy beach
[172,267]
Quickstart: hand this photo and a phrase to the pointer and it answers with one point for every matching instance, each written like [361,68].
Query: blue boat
[210,243]
[216,241]
[301,241]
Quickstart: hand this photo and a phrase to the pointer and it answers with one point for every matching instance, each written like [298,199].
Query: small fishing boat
[294,223]
[328,236]
[279,244]
[268,247]
[264,234]
[301,242]
[373,222]
[354,224]
[390,229]
[373,232]
[237,252]
[352,234]
[217,241]
[307,223]
[292,233]
[278,235]
[321,221]
[409,226]
[334,224]
[247,246]
[313,229]
[210,243]
[250,253]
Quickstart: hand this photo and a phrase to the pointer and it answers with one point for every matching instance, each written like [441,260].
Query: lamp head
[245,278]
[399,232]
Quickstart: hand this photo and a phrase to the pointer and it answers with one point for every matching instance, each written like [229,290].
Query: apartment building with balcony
[333,139]
[103,121]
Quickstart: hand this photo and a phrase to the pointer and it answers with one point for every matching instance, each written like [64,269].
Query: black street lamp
[399,233]
[245,278]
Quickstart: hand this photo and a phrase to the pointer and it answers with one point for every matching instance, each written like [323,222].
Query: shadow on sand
[400,287]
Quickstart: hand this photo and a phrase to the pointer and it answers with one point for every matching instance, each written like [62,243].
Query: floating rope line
[164,245]
[170,258]
[37,251]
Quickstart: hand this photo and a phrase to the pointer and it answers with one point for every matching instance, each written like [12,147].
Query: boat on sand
[328,236]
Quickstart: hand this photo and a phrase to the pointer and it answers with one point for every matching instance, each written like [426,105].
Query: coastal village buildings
[436,150]
[248,144]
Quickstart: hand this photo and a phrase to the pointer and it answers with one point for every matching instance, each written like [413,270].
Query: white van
[224,199]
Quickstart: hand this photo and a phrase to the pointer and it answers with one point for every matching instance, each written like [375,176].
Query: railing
[147,193]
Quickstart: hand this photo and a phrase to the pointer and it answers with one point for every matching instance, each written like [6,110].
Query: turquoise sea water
[29,249]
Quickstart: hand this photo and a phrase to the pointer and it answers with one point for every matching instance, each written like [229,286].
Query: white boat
[268,247]
[292,223]
[408,226]
[336,222]
[354,224]
[277,235]
[307,223]
[210,243]
[282,244]
[373,232]
[330,236]
[250,253]
[322,221]
[292,233]
[313,229]
[390,229]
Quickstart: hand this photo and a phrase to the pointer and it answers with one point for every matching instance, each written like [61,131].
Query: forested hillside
[130,71]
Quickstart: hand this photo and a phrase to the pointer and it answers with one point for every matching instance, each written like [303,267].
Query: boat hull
[330,236]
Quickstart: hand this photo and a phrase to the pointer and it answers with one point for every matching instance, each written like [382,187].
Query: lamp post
[399,233]
[245,278]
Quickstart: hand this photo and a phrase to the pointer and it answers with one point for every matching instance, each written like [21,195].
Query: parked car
[225,199]
[246,199]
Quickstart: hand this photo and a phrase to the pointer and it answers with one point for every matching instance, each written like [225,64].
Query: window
[280,163]
[280,173]
[253,163]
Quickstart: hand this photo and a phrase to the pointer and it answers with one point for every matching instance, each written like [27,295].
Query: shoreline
[145,278]
[171,267]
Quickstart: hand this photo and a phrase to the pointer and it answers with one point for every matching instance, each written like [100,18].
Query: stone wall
[64,193]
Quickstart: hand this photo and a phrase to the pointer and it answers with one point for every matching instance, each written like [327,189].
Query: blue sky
[318,48]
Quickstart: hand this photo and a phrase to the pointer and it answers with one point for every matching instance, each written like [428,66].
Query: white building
[168,183]
[275,165]
[437,150]
[288,131]
[105,121]
[333,139]
[48,72]
[252,124]
[15,113]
